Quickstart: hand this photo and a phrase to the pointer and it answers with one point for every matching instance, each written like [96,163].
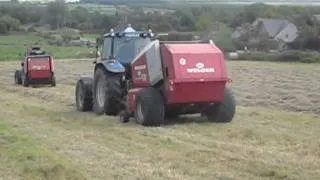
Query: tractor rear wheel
[222,112]
[150,110]
[84,94]
[106,92]
[17,77]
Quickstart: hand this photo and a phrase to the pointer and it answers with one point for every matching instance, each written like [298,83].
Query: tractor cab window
[107,48]
[127,48]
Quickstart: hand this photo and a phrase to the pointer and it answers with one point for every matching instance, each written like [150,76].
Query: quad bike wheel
[222,112]
[150,109]
[106,92]
[84,94]
[17,77]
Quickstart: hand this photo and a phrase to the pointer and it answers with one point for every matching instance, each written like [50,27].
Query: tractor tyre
[223,112]
[84,94]
[150,110]
[106,92]
[53,81]
[17,77]
[25,81]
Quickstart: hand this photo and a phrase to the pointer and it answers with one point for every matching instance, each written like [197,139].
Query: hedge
[287,56]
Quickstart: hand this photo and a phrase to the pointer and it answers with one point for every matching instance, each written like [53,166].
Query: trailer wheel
[84,94]
[106,92]
[17,77]
[224,111]
[150,109]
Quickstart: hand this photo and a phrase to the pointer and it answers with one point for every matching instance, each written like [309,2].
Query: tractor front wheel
[84,94]
[106,92]
[224,111]
[150,110]
[17,77]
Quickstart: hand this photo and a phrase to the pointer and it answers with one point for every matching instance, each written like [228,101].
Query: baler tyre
[84,94]
[25,81]
[224,111]
[17,77]
[150,110]
[106,93]
[53,81]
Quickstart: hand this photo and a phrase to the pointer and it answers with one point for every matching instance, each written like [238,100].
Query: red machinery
[162,79]
[180,78]
[36,68]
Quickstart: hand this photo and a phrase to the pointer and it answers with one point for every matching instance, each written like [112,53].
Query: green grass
[32,160]
[91,36]
[12,47]
[268,139]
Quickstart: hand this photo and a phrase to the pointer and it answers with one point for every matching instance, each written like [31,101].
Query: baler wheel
[224,111]
[53,81]
[84,94]
[106,92]
[150,109]
[17,77]
[25,81]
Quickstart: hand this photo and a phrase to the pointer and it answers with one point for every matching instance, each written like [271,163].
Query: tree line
[216,21]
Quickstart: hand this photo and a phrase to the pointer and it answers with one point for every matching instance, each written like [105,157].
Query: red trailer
[36,68]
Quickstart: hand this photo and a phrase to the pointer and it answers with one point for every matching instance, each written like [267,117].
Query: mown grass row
[29,160]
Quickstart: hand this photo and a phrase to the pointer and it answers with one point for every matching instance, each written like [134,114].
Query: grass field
[12,47]
[43,137]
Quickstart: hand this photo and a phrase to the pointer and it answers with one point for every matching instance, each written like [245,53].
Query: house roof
[316,17]
[272,26]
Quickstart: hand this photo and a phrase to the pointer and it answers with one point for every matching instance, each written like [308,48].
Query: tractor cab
[122,47]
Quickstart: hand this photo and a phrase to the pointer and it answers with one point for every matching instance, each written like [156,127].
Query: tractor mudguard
[112,66]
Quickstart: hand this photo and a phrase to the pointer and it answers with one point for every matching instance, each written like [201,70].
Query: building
[278,30]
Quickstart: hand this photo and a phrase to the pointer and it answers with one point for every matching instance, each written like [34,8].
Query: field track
[275,134]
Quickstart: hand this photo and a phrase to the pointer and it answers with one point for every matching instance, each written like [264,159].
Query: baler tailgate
[39,63]
[39,67]
[197,62]
[196,73]
[197,67]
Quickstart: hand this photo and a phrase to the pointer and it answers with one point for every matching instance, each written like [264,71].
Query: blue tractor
[105,93]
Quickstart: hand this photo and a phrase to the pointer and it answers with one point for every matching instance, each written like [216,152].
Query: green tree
[204,23]
[3,28]
[8,24]
[57,12]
